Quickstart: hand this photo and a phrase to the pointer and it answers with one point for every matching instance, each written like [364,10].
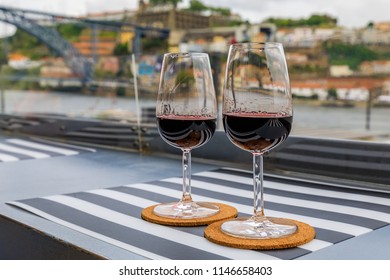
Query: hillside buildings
[213,33]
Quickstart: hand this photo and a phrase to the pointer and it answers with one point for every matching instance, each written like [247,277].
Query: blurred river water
[309,120]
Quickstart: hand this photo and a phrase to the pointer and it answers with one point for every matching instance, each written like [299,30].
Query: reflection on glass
[257,117]
[186,114]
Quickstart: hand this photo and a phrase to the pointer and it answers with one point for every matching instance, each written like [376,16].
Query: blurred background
[101,60]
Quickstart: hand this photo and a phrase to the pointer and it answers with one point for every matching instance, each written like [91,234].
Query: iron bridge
[42,26]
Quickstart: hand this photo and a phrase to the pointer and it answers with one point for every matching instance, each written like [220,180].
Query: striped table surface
[15,149]
[114,214]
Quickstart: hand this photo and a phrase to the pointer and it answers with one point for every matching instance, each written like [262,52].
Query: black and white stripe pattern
[113,214]
[20,149]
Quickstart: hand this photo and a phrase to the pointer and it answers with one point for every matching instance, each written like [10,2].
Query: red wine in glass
[257,132]
[186,132]
[186,113]
[257,117]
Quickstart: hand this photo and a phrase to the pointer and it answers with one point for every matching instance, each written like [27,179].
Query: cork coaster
[225,212]
[304,234]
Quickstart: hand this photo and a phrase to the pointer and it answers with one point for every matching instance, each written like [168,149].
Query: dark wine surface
[186,132]
[257,133]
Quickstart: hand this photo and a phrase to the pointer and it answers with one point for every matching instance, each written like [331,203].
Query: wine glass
[257,117]
[186,114]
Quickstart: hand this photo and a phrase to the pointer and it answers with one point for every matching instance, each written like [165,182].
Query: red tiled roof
[354,82]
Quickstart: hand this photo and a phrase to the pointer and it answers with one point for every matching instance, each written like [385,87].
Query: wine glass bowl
[186,113]
[257,117]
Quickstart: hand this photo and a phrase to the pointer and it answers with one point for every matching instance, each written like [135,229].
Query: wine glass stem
[258,189]
[186,198]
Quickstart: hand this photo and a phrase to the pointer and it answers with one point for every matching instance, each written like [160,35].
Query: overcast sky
[350,13]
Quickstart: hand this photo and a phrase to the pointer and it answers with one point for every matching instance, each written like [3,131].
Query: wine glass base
[191,210]
[259,228]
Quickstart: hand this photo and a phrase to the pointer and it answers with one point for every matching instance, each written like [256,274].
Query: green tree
[3,51]
[70,31]
[154,45]
[197,6]
[121,49]
[164,2]
[332,94]
[319,20]
[23,41]
[313,20]
[28,45]
[346,54]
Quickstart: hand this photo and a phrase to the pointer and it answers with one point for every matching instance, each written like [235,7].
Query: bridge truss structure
[42,26]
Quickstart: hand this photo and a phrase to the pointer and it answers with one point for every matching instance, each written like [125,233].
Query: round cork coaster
[225,212]
[304,234]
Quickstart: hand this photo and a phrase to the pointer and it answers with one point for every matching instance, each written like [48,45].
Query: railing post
[368,109]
